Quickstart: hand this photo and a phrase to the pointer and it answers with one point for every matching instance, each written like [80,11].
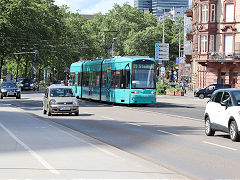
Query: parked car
[60,99]
[10,89]
[29,84]
[208,91]
[223,113]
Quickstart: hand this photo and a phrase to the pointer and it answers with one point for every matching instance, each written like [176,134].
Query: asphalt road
[169,134]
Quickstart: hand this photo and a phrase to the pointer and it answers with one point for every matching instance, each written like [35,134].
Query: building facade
[215,42]
[159,6]
[144,5]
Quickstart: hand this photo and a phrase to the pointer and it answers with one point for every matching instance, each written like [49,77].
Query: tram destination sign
[162,51]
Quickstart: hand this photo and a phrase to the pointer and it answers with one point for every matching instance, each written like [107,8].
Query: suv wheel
[76,113]
[201,96]
[208,129]
[233,131]
[1,96]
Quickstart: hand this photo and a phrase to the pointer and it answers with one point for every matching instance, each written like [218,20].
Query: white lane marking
[107,118]
[197,130]
[159,113]
[167,132]
[95,146]
[134,124]
[35,155]
[220,146]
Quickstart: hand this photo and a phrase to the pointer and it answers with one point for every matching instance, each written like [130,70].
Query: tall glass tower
[143,4]
[168,5]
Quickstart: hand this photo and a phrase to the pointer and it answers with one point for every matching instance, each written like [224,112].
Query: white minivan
[60,99]
[223,113]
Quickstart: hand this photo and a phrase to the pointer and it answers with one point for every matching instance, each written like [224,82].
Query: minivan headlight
[53,102]
[75,103]
[4,90]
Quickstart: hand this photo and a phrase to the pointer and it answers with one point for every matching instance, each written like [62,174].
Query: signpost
[162,52]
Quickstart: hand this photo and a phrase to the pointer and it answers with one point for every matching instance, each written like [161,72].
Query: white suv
[223,113]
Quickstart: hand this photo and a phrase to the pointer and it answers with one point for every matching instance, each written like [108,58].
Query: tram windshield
[143,76]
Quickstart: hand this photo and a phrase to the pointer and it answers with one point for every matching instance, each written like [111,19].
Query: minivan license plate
[64,108]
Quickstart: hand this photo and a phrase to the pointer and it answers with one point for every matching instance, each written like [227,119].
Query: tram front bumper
[142,99]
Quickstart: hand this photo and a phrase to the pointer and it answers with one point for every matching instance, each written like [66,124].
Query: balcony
[207,27]
[189,13]
[226,57]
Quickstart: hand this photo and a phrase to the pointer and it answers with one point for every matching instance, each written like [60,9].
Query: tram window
[79,78]
[104,79]
[125,80]
[96,79]
[115,79]
[85,79]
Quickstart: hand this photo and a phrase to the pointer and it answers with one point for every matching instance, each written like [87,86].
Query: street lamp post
[163,35]
[113,46]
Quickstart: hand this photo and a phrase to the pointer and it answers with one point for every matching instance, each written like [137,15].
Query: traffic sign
[163,70]
[162,51]
[4,76]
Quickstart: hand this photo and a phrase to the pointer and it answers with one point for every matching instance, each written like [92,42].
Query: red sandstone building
[215,42]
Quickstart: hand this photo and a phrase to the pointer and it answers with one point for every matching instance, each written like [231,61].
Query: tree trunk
[18,61]
[26,68]
[1,65]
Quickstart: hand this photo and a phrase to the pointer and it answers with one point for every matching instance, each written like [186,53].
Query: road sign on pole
[162,51]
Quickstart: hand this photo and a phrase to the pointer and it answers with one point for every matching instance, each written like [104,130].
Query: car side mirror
[223,103]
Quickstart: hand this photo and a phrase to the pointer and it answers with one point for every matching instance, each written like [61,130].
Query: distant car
[208,91]
[10,89]
[60,99]
[29,84]
[223,113]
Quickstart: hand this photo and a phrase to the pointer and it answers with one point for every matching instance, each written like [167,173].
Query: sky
[92,6]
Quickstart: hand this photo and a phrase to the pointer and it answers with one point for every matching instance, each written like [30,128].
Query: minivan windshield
[61,92]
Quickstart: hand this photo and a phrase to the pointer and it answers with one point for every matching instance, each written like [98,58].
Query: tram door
[90,85]
[108,86]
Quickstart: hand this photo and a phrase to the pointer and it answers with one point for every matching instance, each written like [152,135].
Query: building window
[229,13]
[212,43]
[203,44]
[204,13]
[212,13]
[228,45]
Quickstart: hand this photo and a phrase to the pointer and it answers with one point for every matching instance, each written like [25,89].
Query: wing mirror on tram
[124,70]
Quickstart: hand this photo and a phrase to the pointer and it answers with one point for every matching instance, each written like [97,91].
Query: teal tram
[126,80]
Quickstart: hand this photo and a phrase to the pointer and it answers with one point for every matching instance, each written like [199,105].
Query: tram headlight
[134,92]
[153,92]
